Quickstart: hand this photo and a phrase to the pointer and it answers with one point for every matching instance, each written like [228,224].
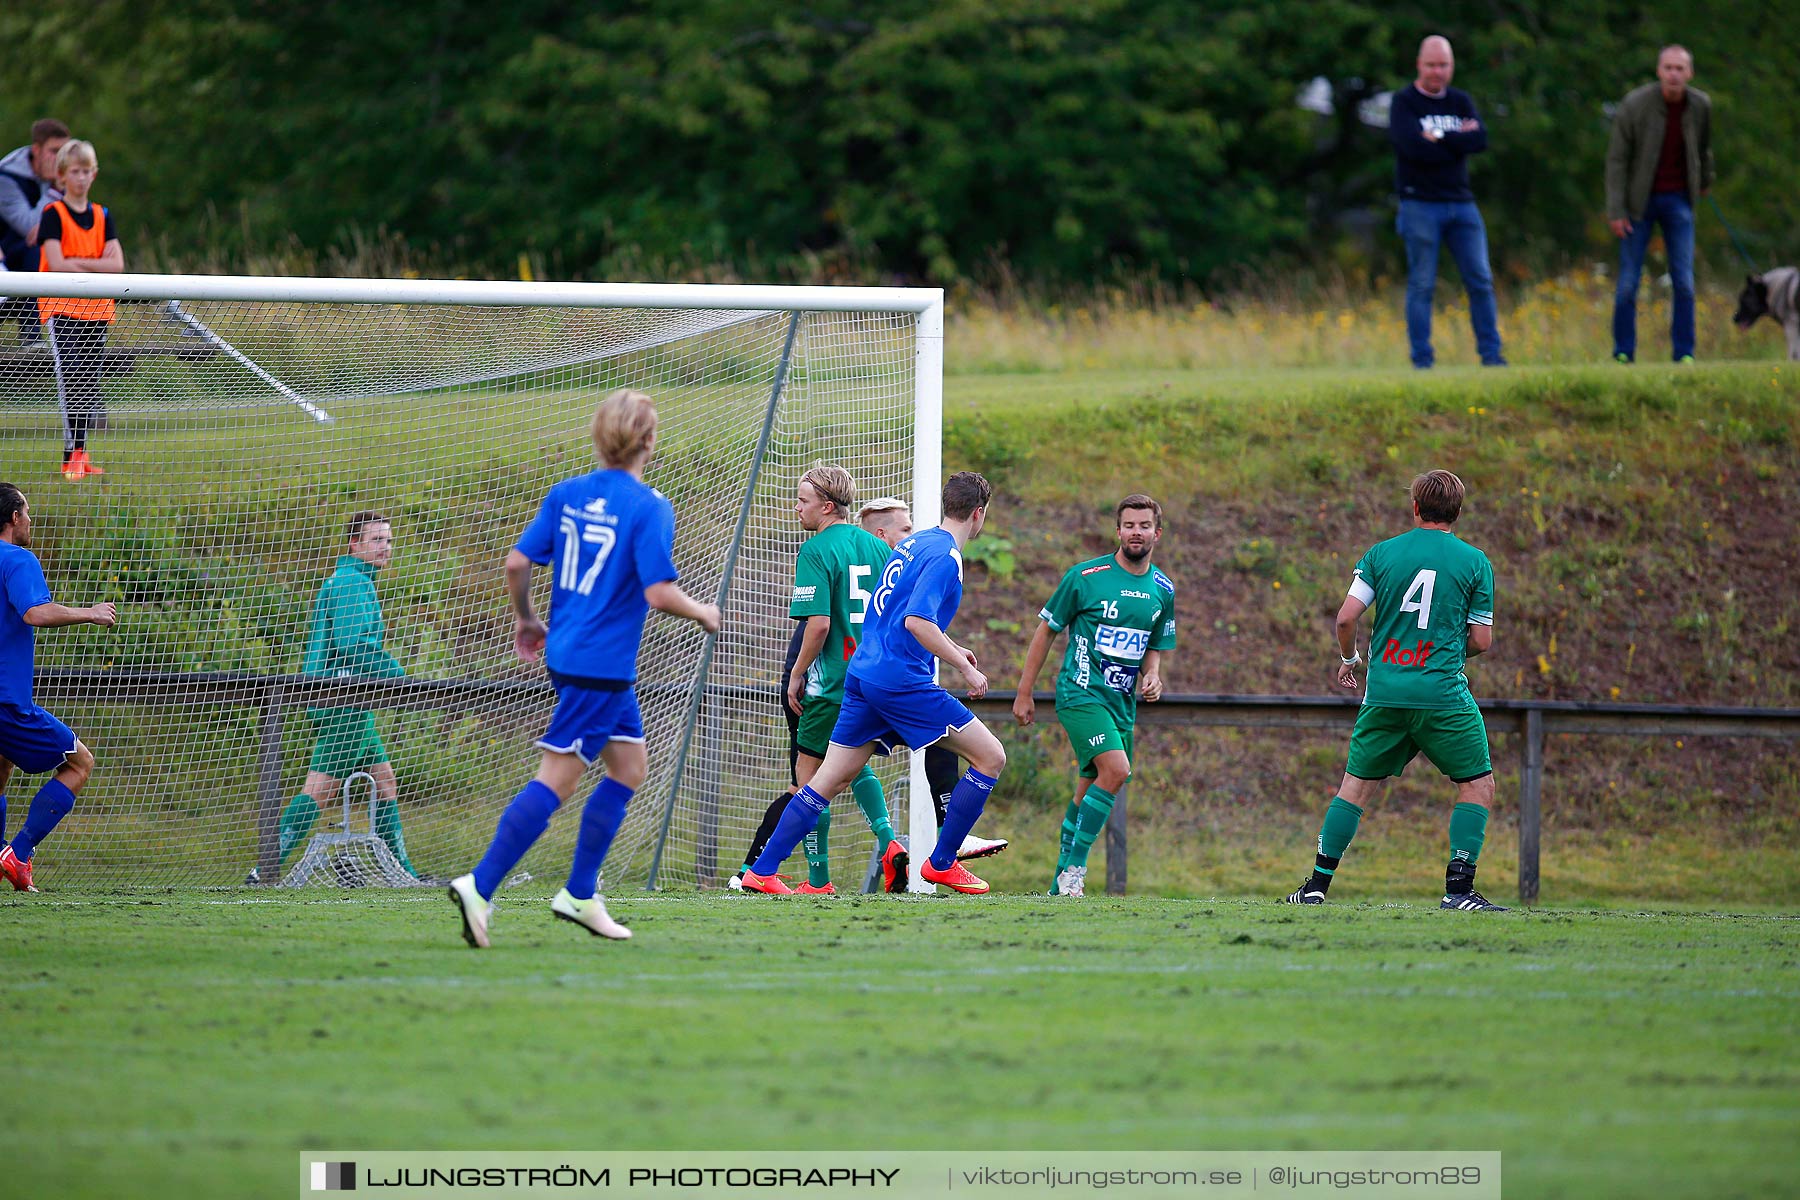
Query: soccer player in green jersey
[346,639]
[1431,599]
[1119,611]
[833,577]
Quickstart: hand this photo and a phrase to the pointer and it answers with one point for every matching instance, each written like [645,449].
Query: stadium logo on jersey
[1082,666]
[805,592]
[1407,658]
[1116,641]
[1127,594]
[1105,566]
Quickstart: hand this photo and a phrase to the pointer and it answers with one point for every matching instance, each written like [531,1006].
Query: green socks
[867,790]
[296,822]
[1096,806]
[1067,844]
[1468,829]
[818,852]
[1339,827]
[386,820]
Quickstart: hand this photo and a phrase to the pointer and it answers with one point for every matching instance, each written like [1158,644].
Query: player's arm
[812,641]
[528,628]
[1150,684]
[1481,612]
[948,652]
[1024,706]
[1349,613]
[51,615]
[668,597]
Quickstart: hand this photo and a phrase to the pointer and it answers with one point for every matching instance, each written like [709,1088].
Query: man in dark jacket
[1659,163]
[27,186]
[1434,128]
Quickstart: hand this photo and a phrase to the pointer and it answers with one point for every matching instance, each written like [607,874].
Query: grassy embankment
[1641,525]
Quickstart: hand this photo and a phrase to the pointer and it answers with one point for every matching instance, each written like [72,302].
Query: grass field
[196,1042]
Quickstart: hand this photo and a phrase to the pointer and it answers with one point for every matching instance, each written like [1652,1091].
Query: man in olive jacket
[1660,162]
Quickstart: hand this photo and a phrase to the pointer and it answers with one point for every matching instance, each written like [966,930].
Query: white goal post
[233,426]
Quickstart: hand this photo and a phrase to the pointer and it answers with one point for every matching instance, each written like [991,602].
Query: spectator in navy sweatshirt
[1434,128]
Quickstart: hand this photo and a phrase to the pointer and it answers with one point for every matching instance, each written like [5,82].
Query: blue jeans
[1674,212]
[1423,225]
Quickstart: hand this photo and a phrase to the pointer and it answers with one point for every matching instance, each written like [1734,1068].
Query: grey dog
[1772,294]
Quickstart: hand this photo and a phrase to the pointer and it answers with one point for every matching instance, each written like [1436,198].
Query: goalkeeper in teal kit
[1430,596]
[1119,612]
[346,640]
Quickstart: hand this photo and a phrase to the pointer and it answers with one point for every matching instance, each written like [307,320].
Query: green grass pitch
[196,1042]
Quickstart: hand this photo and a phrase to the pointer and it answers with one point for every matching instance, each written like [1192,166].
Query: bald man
[1434,128]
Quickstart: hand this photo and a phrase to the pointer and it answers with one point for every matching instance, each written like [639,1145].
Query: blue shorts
[33,740]
[913,716]
[586,719]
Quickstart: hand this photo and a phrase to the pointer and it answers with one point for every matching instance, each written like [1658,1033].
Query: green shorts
[347,741]
[818,716]
[1092,732]
[1386,739]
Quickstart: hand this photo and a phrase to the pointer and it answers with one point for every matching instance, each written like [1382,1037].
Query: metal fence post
[1531,790]
[1115,845]
[271,716]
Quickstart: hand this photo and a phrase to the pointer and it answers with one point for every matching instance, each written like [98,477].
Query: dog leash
[1732,233]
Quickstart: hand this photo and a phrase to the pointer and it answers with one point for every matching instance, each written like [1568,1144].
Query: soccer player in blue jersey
[610,539]
[891,696]
[29,736]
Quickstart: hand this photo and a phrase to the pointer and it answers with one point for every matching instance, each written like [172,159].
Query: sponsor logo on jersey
[1119,677]
[1414,657]
[1105,566]
[594,513]
[1163,581]
[805,592]
[1083,668]
[1169,627]
[1117,641]
[1136,595]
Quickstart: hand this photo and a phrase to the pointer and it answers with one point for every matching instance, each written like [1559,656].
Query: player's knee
[990,761]
[1112,776]
[77,767]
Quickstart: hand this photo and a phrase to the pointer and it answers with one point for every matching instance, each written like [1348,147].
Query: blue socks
[797,820]
[2,820]
[599,822]
[51,804]
[960,815]
[523,822]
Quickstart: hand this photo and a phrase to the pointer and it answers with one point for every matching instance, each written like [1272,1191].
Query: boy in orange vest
[76,235]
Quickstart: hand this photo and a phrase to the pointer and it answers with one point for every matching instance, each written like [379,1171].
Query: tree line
[1061,142]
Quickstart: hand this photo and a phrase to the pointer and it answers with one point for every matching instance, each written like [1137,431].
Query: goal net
[241,423]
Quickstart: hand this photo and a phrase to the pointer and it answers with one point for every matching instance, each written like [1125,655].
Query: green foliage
[1049,140]
[994,553]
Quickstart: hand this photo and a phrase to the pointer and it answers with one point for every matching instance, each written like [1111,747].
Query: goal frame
[926,305]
